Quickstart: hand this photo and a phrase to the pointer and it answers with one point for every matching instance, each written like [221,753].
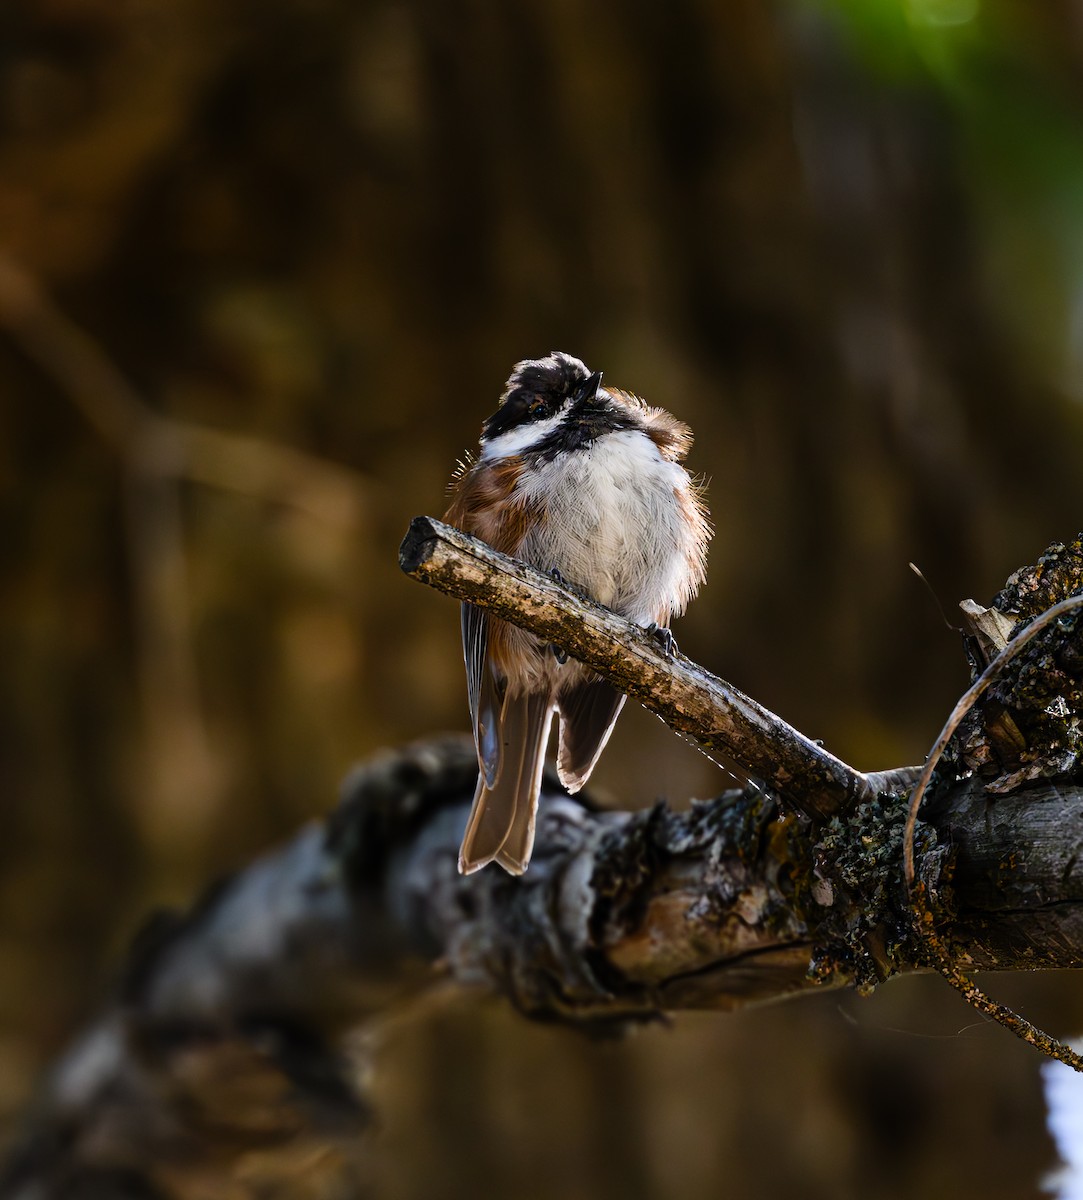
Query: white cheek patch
[521,438]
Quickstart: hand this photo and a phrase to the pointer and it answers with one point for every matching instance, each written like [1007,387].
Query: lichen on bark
[1029,724]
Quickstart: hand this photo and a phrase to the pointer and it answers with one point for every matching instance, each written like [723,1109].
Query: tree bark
[233,1032]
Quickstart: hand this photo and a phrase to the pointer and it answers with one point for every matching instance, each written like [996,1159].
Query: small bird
[585,482]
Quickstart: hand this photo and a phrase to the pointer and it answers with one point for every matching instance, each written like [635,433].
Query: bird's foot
[664,637]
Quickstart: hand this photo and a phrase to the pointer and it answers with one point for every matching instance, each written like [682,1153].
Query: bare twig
[946,963]
[684,695]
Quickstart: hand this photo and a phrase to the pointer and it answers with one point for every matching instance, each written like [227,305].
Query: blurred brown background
[843,240]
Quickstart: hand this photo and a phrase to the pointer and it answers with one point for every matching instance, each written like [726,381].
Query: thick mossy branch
[865,923]
[230,1032]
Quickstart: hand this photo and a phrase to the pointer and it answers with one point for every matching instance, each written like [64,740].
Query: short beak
[589,387]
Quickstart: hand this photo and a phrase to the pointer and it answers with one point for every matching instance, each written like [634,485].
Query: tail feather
[514,854]
[501,823]
[588,712]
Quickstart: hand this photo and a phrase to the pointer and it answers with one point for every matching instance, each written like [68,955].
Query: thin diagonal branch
[687,697]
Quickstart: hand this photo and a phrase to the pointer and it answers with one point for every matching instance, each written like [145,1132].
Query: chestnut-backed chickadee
[585,482]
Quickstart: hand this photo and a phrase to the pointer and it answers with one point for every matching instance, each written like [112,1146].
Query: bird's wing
[484,691]
[588,712]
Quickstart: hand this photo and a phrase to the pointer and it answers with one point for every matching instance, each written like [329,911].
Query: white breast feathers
[615,525]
